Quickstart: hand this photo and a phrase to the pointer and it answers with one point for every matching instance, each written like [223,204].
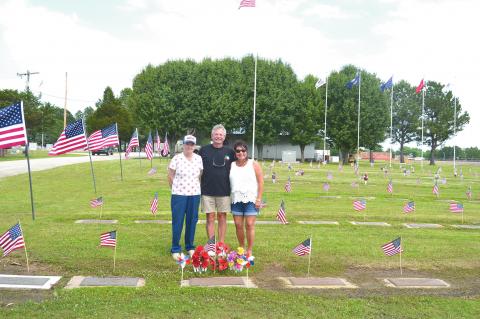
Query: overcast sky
[106,43]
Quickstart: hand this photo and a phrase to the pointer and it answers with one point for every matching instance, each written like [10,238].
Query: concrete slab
[28,282]
[335,197]
[382,224]
[241,282]
[467,226]
[362,197]
[268,222]
[318,222]
[415,283]
[316,282]
[81,281]
[153,221]
[96,221]
[423,225]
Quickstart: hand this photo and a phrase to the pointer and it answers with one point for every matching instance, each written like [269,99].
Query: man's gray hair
[219,127]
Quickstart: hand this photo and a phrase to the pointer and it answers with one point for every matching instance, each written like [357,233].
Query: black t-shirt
[216,170]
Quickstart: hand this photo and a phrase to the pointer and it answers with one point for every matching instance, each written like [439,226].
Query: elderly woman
[246,182]
[184,173]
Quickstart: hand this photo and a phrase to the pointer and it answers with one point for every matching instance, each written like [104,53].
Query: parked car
[105,151]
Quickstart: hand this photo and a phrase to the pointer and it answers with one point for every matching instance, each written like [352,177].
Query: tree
[406,115]
[439,117]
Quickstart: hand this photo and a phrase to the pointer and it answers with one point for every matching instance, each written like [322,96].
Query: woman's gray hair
[219,127]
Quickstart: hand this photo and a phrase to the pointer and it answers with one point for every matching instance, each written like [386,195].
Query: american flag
[435,189]
[149,147]
[359,204]
[329,176]
[12,126]
[392,248]
[154,204]
[166,147]
[281,215]
[109,239]
[210,245]
[288,185]
[303,248]
[409,207]
[390,187]
[326,186]
[247,3]
[157,142]
[152,171]
[103,138]
[96,202]
[12,240]
[469,193]
[133,143]
[354,184]
[71,139]
[456,207]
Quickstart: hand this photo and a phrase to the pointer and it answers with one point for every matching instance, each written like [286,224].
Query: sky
[106,43]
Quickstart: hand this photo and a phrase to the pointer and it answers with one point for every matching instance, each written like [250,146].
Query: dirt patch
[267,279]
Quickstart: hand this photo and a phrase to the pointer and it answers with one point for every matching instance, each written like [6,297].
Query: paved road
[10,168]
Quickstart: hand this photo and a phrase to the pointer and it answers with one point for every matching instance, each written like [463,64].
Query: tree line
[184,96]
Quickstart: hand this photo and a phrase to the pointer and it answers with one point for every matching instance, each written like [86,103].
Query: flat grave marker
[422,225]
[382,224]
[241,282]
[81,281]
[318,222]
[96,221]
[153,221]
[415,283]
[467,226]
[28,282]
[316,282]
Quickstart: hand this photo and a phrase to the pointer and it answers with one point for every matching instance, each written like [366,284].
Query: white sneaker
[191,252]
[175,256]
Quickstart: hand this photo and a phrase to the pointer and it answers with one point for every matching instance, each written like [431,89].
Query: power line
[27,74]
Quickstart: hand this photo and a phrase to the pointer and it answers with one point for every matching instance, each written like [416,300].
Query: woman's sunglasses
[240,150]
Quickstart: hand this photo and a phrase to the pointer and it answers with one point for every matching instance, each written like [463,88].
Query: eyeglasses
[240,150]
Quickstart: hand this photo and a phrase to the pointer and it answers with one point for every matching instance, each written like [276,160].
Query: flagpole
[454,132]
[24,245]
[27,152]
[115,250]
[254,107]
[309,256]
[90,156]
[401,270]
[119,153]
[423,110]
[325,122]
[358,121]
[391,124]
[139,149]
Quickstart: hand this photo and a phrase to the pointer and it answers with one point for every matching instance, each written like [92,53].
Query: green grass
[33,154]
[58,246]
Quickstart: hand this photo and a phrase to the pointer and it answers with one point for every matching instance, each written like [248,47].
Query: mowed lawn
[58,246]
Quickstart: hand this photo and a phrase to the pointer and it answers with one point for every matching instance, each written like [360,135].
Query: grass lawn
[57,246]
[34,154]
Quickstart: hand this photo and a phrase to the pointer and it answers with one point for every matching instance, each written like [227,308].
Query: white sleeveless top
[243,183]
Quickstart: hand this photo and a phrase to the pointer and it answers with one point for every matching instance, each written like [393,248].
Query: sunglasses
[240,150]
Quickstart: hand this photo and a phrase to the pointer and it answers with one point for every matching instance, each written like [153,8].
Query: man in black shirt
[215,183]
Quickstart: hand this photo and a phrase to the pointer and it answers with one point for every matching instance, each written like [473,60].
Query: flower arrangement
[200,260]
[183,260]
[238,260]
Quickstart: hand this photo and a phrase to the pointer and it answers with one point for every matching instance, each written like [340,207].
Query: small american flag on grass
[359,205]
[96,202]
[152,171]
[303,248]
[12,239]
[108,239]
[390,187]
[154,204]
[210,245]
[246,4]
[409,207]
[456,207]
[288,185]
[392,248]
[435,189]
[281,215]
[469,193]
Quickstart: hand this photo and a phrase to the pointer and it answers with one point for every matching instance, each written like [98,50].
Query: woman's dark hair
[240,143]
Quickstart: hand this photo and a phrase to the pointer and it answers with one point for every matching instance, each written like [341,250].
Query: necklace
[241,164]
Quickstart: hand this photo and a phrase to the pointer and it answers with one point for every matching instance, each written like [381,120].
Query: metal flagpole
[115,250]
[325,123]
[391,124]
[119,153]
[254,107]
[423,110]
[401,270]
[24,245]
[139,149]
[454,132]
[90,156]
[27,152]
[358,121]
[309,257]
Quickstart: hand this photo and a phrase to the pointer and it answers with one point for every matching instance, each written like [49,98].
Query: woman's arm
[259,176]
[171,176]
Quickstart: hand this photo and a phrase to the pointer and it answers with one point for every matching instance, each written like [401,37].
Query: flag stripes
[71,139]
[303,248]
[12,126]
[392,248]
[103,138]
[154,204]
[96,202]
[108,239]
[12,239]
[281,214]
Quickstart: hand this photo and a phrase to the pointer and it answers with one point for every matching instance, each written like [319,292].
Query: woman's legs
[178,205]
[239,221]
[191,220]
[250,227]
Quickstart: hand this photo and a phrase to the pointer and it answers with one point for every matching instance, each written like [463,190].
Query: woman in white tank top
[246,183]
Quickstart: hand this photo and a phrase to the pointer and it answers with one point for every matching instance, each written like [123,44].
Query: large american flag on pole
[109,239]
[281,215]
[133,143]
[303,248]
[12,239]
[392,248]
[154,204]
[12,126]
[103,138]
[157,142]
[71,139]
[149,147]
[166,147]
[247,3]
[456,207]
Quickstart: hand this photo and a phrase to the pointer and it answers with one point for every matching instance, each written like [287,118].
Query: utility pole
[27,74]
[65,106]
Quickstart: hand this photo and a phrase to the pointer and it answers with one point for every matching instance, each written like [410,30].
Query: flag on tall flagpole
[288,185]
[392,248]
[246,4]
[108,239]
[387,85]
[353,81]
[319,83]
[133,143]
[149,146]
[72,138]
[166,147]
[154,204]
[103,138]
[420,87]
[12,240]
[456,207]
[12,126]
[303,248]
[281,214]
[96,202]
[359,205]
[409,207]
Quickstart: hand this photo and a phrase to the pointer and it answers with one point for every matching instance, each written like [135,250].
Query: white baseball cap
[189,139]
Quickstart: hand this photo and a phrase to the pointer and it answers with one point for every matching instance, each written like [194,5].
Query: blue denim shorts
[244,209]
